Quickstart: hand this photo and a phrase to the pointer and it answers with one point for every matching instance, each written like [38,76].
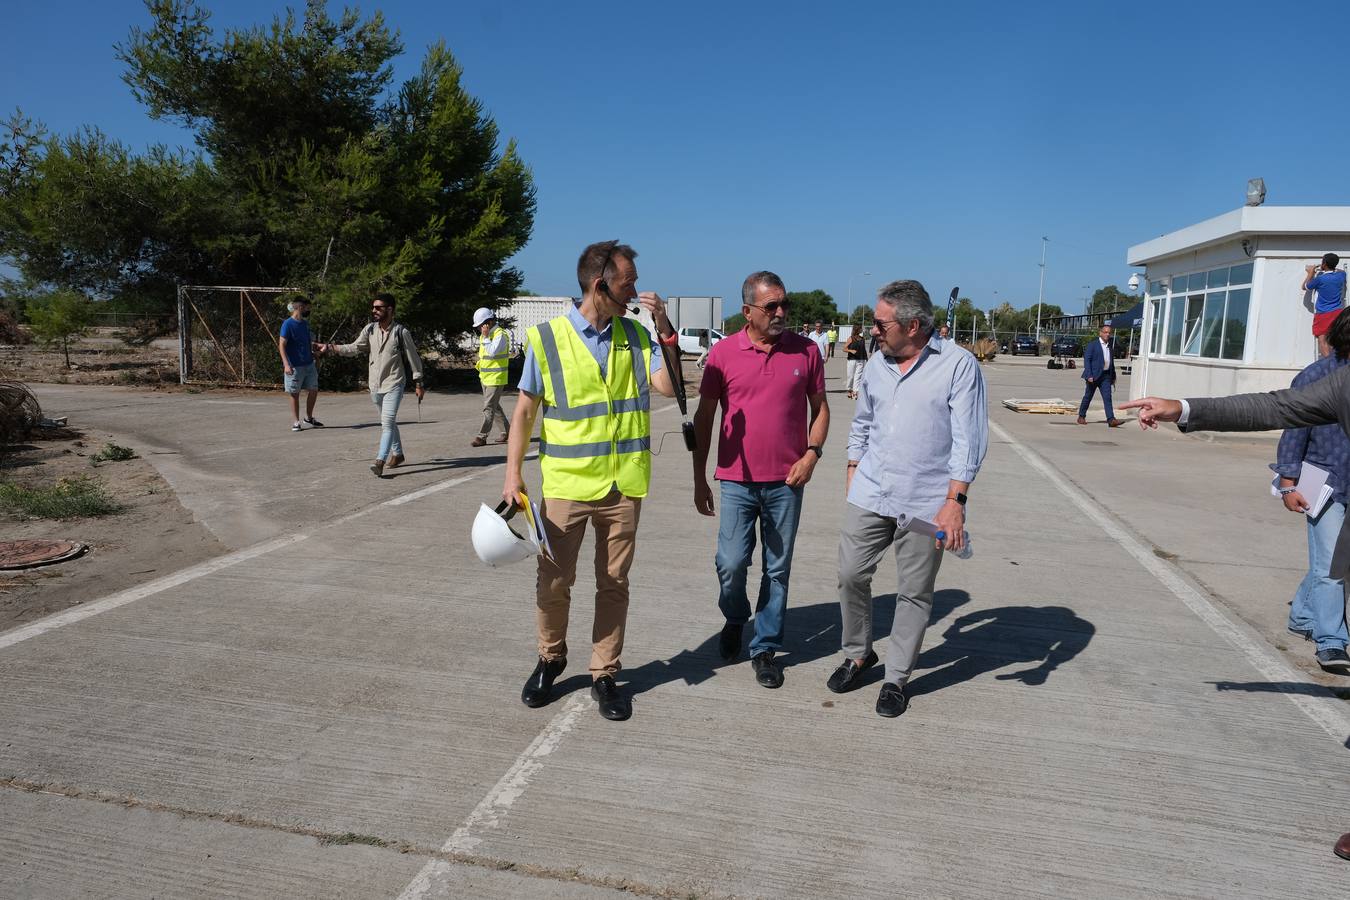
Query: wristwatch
[816,447]
[959,498]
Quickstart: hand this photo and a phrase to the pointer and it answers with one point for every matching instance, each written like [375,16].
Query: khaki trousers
[492,408]
[615,521]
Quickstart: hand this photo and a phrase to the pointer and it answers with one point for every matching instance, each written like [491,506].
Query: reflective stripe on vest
[492,370]
[596,431]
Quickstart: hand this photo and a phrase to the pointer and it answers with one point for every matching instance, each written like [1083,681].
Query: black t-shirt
[856,348]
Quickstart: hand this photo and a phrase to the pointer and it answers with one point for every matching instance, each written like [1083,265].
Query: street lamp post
[850,290]
[1040,293]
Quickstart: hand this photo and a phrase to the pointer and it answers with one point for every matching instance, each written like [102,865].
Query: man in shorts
[1329,283]
[297,362]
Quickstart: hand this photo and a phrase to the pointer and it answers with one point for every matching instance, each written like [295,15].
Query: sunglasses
[378,306]
[772,306]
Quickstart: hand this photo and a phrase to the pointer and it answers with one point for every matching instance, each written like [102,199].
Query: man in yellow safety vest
[591,370]
[494,355]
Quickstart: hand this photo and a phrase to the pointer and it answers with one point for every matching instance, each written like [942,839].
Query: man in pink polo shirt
[765,379]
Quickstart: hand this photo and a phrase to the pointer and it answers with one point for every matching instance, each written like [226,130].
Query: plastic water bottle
[922,526]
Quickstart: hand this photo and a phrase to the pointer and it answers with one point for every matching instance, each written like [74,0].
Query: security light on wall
[1256,191]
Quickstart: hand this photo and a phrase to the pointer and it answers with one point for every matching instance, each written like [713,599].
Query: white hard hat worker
[497,543]
[482,314]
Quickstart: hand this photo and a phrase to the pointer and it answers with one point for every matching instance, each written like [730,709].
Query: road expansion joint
[327,838]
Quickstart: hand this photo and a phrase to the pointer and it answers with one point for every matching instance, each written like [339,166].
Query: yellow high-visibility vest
[596,431]
[492,369]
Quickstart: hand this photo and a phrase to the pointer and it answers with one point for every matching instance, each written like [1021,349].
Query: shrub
[113,453]
[69,498]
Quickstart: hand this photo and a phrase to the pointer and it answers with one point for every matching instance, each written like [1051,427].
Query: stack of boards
[1051,406]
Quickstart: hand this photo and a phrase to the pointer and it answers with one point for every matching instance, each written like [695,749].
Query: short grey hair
[754,280]
[296,301]
[909,300]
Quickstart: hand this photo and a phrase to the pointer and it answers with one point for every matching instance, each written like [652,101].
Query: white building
[1223,313]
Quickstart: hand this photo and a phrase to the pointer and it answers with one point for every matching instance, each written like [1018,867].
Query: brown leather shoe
[1343,847]
[394,461]
[1115,423]
[1082,421]
[501,439]
[478,442]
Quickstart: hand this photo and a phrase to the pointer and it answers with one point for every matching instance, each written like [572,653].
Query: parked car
[1066,346]
[695,340]
[1025,343]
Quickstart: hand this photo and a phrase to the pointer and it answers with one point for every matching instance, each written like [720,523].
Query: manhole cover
[27,554]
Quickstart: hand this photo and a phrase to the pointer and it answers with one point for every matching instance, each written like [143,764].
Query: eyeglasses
[378,306]
[882,324]
[772,306]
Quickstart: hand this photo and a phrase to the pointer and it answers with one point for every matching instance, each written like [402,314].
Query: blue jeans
[1319,603]
[389,439]
[1102,384]
[777,508]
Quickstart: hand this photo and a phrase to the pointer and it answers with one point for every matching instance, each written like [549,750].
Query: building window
[1156,311]
[1206,314]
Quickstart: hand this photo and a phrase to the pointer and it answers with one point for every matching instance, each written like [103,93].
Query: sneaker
[378,468]
[1334,659]
[295,427]
[313,422]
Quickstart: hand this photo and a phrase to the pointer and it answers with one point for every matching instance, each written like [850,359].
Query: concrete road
[1102,708]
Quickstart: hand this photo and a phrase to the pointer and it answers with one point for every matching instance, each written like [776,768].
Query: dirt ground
[152,536]
[101,357]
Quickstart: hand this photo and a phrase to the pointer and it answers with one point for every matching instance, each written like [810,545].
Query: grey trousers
[492,408]
[862,541]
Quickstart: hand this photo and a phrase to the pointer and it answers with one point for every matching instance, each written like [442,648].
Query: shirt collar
[583,326]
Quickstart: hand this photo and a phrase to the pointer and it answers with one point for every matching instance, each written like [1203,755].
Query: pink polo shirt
[764,407]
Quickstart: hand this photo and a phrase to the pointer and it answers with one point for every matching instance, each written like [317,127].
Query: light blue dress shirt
[532,377]
[912,433]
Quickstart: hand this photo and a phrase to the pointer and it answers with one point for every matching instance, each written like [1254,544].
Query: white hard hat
[497,543]
[481,315]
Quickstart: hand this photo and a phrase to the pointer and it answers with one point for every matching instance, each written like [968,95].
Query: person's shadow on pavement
[812,633]
[1044,637]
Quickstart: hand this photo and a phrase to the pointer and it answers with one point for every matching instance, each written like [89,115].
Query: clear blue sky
[936,141]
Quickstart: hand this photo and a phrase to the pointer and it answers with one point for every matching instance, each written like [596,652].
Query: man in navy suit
[1099,371]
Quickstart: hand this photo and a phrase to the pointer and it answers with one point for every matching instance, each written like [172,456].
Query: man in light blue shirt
[919,434]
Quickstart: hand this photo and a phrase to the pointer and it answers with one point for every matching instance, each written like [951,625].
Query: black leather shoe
[729,644]
[613,705]
[539,688]
[767,672]
[892,701]
[849,674]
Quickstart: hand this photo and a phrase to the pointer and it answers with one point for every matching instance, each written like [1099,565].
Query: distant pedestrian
[764,379]
[1318,609]
[919,434]
[297,362]
[1099,375]
[821,340]
[393,363]
[1329,283]
[945,332]
[855,355]
[494,357]
[833,335]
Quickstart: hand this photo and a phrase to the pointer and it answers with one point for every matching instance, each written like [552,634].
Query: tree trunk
[65,348]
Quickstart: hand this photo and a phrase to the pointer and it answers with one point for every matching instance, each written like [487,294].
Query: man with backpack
[393,363]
